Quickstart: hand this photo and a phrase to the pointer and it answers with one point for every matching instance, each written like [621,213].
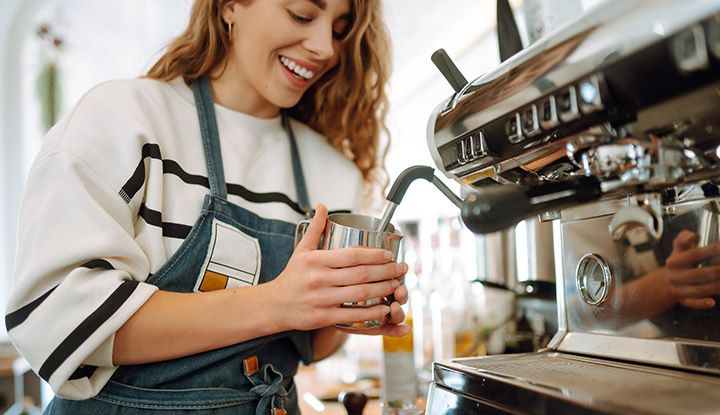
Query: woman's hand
[394,326]
[313,285]
[690,285]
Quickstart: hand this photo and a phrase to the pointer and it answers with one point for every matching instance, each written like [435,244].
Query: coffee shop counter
[320,384]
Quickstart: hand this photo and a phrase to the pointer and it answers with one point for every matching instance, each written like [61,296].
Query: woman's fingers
[362,292]
[397,315]
[693,256]
[311,239]
[391,330]
[694,276]
[362,274]
[353,256]
[349,315]
[401,294]
[697,290]
[685,240]
[698,303]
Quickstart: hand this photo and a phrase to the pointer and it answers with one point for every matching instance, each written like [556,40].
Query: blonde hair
[348,105]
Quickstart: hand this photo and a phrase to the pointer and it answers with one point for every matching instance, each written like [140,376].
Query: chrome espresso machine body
[609,127]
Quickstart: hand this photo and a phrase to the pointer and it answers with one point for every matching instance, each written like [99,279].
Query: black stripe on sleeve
[169,229]
[87,328]
[84,371]
[17,317]
[138,177]
[98,263]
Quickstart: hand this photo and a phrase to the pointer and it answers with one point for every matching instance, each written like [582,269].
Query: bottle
[399,390]
[454,310]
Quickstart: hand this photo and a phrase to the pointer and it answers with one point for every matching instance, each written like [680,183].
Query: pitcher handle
[300,230]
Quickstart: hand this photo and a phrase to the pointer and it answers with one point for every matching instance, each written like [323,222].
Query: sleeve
[78,275]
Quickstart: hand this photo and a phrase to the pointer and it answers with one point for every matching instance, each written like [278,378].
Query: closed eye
[299,18]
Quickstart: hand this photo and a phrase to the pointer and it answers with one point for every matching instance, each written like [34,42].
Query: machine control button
[530,123]
[593,278]
[567,105]
[477,145]
[548,113]
[590,96]
[689,50]
[462,152]
[513,128]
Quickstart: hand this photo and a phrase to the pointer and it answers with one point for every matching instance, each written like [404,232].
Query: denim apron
[254,377]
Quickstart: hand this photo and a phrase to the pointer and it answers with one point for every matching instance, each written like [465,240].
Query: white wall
[12,13]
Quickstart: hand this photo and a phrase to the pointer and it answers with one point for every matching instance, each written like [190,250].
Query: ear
[228,12]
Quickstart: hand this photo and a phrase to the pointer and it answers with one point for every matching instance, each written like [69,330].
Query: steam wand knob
[448,69]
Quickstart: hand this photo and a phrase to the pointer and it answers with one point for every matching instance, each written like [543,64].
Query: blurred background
[53,51]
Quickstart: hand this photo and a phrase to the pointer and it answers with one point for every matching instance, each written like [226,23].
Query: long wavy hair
[348,105]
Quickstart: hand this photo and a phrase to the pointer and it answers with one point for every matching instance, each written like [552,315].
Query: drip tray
[550,382]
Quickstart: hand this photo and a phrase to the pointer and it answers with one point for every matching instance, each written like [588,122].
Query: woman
[156,268]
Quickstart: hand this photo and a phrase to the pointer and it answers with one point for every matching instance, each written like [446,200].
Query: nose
[319,41]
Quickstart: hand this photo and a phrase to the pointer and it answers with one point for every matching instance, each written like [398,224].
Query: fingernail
[388,255]
[395,283]
[400,268]
[386,309]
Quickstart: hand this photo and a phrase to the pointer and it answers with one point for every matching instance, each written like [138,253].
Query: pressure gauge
[593,278]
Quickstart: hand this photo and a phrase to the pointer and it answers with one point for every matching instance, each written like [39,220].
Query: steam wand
[401,184]
[494,208]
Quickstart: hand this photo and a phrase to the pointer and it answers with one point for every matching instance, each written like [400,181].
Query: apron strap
[210,138]
[303,199]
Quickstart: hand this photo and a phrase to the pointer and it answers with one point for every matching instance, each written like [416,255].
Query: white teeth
[296,68]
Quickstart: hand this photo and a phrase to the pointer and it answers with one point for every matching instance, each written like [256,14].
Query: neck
[232,90]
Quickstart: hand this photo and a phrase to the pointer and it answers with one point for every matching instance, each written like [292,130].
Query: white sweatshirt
[125,165]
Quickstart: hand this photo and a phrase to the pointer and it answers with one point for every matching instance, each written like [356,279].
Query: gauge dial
[593,278]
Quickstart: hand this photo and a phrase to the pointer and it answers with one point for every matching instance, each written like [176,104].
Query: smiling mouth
[296,69]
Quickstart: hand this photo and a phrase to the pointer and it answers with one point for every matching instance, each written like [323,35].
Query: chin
[287,101]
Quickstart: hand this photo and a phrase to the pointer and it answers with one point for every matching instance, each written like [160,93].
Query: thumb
[314,232]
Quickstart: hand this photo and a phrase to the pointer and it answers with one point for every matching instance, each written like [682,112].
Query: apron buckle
[251,365]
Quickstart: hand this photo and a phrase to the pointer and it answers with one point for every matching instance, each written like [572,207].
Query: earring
[230,29]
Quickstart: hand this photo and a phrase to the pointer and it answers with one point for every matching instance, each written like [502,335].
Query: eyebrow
[320,3]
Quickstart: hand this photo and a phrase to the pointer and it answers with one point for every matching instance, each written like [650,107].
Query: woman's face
[279,48]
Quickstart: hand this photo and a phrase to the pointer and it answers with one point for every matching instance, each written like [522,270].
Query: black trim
[169,229]
[87,328]
[98,263]
[17,317]
[84,371]
[133,185]
[238,190]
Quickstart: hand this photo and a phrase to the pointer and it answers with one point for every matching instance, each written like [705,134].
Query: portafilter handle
[401,184]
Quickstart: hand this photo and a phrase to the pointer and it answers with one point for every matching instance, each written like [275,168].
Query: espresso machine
[607,128]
